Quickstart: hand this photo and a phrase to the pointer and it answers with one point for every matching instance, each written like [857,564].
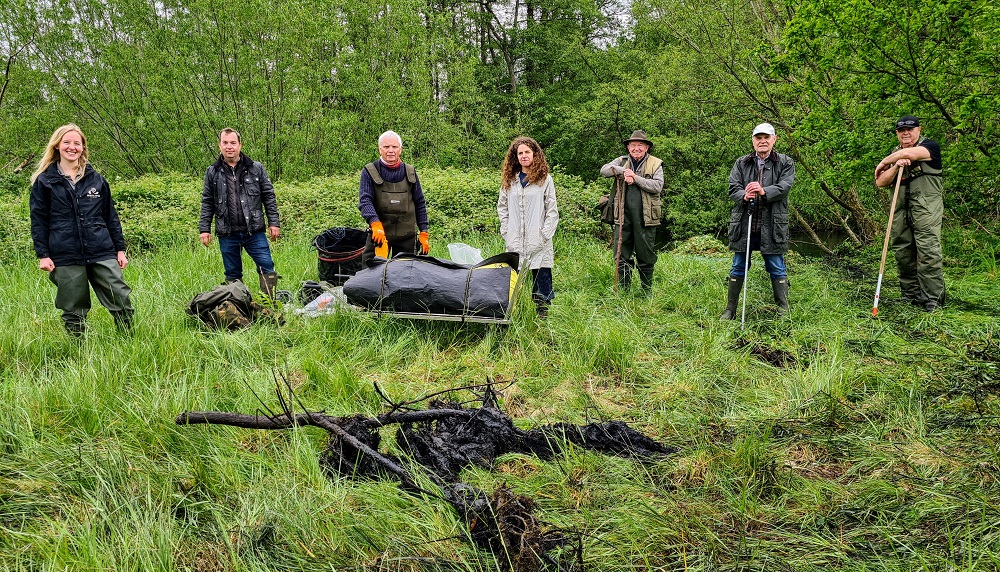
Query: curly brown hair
[537,171]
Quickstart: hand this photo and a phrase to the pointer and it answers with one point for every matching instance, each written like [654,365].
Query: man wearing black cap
[636,207]
[758,186]
[916,224]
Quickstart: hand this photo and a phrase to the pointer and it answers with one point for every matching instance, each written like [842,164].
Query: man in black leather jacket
[238,194]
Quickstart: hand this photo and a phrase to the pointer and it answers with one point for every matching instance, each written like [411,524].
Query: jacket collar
[242,164]
[751,159]
[52,174]
[636,165]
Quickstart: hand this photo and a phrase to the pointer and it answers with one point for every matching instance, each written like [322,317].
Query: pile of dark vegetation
[757,348]
[446,437]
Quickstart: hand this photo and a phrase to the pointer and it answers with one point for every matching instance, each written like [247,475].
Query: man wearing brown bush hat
[635,209]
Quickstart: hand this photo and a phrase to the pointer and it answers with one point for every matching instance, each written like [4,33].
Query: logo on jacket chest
[92,193]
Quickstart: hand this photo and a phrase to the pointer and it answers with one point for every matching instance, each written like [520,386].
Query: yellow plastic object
[383,250]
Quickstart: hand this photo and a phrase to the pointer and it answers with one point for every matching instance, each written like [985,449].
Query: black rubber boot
[123,320]
[75,328]
[624,276]
[780,287]
[733,298]
[935,305]
[269,284]
[646,275]
[542,308]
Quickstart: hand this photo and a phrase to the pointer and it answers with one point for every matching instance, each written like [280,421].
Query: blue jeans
[774,263]
[255,243]
[541,285]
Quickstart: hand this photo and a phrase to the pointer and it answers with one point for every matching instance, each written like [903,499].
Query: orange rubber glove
[378,233]
[425,242]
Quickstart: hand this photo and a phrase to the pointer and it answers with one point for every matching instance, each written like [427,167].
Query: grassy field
[825,440]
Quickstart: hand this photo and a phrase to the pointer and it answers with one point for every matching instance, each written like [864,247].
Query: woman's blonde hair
[51,154]
[536,172]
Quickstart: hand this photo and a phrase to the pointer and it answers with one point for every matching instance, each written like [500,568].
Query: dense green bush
[697,202]
[14,212]
[159,211]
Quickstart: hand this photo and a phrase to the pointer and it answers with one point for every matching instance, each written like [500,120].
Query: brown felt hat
[638,135]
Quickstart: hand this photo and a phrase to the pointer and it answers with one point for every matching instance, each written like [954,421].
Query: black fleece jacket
[74,226]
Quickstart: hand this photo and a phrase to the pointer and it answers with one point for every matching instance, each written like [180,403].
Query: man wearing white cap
[758,185]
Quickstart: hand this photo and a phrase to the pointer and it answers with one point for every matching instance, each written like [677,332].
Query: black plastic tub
[339,249]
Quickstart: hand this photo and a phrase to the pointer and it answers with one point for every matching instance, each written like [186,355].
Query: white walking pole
[885,244]
[746,266]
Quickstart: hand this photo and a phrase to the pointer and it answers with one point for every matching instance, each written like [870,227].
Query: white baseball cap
[764,128]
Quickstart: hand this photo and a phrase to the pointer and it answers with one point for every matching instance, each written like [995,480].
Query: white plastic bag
[464,254]
[327,303]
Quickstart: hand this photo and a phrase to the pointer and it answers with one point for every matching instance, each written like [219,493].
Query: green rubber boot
[733,300]
[780,287]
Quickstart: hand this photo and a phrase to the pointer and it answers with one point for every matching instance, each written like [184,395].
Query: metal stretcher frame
[464,316]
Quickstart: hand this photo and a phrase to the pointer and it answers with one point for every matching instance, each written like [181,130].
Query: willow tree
[863,64]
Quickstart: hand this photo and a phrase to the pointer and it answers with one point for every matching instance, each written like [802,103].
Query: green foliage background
[311,85]
[161,211]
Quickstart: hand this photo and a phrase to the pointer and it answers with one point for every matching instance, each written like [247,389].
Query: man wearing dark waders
[635,209]
[392,203]
[916,224]
[758,186]
[238,194]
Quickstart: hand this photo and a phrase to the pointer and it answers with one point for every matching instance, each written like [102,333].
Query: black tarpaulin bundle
[426,285]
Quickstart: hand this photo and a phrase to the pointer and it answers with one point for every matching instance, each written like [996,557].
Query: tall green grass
[871,446]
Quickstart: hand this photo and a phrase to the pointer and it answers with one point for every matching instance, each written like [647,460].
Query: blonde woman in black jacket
[76,232]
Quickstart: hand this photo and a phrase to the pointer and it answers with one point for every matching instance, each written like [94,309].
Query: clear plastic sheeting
[464,254]
[330,301]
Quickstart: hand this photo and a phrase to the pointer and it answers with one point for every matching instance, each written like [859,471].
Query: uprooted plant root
[611,438]
[447,437]
[344,458]
[447,445]
[504,523]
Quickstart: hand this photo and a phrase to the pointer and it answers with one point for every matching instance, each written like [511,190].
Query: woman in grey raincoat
[528,215]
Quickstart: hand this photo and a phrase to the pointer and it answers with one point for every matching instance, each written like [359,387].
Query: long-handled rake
[885,244]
